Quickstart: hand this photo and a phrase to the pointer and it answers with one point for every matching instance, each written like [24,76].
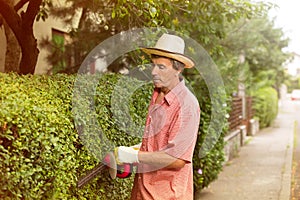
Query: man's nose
[154,70]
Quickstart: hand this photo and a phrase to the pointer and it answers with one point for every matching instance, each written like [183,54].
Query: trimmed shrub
[265,105]
[42,154]
[212,130]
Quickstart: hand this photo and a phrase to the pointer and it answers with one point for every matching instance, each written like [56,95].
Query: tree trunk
[30,51]
[22,27]
[13,51]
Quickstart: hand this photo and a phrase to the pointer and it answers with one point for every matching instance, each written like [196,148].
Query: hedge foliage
[42,154]
[266,105]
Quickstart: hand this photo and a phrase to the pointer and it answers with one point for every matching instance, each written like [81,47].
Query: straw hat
[171,46]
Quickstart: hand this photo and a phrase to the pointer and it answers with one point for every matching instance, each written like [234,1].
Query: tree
[261,46]
[13,50]
[202,20]
[19,18]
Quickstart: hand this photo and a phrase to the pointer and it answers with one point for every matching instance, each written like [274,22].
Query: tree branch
[31,12]
[10,16]
[1,21]
[82,18]
[20,4]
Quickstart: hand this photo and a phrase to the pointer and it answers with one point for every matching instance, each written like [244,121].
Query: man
[164,158]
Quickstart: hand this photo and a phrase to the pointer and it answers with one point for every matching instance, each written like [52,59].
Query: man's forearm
[160,159]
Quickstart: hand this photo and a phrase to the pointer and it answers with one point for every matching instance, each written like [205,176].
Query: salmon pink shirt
[172,127]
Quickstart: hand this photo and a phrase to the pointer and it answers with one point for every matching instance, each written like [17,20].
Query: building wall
[43,29]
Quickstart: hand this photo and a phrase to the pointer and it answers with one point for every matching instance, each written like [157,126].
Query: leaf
[113,14]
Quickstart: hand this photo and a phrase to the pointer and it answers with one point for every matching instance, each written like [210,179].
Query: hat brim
[188,62]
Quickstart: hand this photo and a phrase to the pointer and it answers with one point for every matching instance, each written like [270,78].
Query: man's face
[163,73]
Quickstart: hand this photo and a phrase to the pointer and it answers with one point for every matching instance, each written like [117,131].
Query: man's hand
[126,155]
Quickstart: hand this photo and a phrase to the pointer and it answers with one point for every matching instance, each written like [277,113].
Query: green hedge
[41,153]
[265,105]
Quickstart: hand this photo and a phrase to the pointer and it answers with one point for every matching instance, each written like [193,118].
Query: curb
[285,191]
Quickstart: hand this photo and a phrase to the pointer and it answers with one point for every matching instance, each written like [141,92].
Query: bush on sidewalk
[265,105]
[41,154]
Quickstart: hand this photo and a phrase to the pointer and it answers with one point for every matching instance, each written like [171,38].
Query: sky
[286,16]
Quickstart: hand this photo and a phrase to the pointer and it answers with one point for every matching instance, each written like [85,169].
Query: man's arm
[160,159]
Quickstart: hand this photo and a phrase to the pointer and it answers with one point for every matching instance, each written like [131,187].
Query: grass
[294,165]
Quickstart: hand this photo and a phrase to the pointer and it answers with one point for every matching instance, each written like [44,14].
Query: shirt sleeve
[183,133]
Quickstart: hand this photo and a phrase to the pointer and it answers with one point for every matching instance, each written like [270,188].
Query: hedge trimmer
[109,163]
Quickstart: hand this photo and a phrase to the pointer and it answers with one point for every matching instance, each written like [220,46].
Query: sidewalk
[262,170]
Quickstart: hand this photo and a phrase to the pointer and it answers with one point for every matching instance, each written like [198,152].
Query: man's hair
[175,63]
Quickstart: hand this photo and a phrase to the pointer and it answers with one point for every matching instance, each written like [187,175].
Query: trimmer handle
[123,171]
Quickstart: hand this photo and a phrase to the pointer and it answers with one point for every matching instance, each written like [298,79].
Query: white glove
[126,155]
[137,146]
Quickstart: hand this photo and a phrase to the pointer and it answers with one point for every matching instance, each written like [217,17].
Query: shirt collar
[173,94]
